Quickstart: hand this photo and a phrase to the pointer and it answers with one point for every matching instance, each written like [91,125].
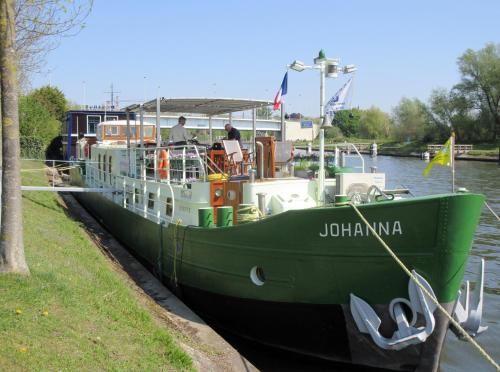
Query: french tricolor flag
[281,92]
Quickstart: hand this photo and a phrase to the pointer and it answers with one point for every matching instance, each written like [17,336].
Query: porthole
[231,195]
[257,276]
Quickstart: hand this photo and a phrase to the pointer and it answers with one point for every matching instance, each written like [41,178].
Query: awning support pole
[127,113]
[210,138]
[254,129]
[141,127]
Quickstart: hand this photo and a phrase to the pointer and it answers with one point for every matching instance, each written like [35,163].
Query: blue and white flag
[338,101]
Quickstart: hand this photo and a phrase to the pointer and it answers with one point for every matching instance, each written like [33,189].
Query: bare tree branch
[40,26]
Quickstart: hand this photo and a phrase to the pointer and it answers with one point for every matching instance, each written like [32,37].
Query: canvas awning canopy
[206,106]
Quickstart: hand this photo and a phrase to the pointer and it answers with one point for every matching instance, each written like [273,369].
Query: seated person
[178,134]
[232,133]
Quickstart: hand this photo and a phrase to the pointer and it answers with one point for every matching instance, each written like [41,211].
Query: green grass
[94,321]
[399,148]
[485,149]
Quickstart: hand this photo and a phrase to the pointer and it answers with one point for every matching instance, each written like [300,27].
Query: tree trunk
[11,235]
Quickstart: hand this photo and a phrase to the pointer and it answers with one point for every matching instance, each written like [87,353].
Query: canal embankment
[482,152]
[89,305]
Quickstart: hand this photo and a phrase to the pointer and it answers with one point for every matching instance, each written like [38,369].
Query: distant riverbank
[481,152]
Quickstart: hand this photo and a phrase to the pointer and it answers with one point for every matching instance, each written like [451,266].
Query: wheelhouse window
[112,130]
[92,122]
[132,132]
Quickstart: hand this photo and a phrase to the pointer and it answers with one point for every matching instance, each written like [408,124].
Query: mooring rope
[492,211]
[427,293]
[248,214]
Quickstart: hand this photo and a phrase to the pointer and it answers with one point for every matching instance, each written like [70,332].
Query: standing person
[232,133]
[178,134]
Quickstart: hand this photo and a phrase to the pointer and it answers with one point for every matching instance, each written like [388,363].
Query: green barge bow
[286,276]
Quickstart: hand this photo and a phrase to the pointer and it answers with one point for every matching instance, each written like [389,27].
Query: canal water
[480,177]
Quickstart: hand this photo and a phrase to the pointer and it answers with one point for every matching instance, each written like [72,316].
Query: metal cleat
[469,314]
[407,334]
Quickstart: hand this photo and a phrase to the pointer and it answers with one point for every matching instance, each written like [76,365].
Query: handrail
[183,153]
[129,187]
[360,156]
[214,164]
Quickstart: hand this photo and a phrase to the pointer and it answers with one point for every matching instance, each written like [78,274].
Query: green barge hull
[286,280]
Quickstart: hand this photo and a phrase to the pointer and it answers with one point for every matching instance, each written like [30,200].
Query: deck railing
[144,197]
[185,164]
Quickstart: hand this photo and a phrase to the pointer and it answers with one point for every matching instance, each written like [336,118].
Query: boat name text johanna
[358,229]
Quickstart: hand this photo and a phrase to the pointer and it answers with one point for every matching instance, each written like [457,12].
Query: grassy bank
[74,312]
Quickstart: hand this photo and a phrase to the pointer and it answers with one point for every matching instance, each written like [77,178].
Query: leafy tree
[449,111]
[374,123]
[348,121]
[334,134]
[36,121]
[410,118]
[264,112]
[53,100]
[481,82]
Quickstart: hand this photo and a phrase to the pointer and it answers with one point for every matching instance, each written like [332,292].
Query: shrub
[35,121]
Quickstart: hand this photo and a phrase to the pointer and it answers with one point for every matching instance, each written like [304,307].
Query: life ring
[163,164]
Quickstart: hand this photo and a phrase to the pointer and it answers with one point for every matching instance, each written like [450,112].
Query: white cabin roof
[124,122]
[206,106]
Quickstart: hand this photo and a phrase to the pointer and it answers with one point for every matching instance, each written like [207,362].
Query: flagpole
[283,127]
[452,162]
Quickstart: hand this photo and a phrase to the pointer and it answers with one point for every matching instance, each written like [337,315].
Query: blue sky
[240,48]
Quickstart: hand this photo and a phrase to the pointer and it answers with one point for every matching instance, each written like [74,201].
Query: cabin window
[111,130]
[104,168]
[132,132]
[169,210]
[136,193]
[99,166]
[111,118]
[128,195]
[92,121]
[151,200]
[109,168]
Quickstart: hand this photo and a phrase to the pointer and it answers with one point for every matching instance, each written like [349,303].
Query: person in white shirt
[178,134]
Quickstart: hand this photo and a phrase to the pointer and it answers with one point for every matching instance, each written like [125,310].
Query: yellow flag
[443,157]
